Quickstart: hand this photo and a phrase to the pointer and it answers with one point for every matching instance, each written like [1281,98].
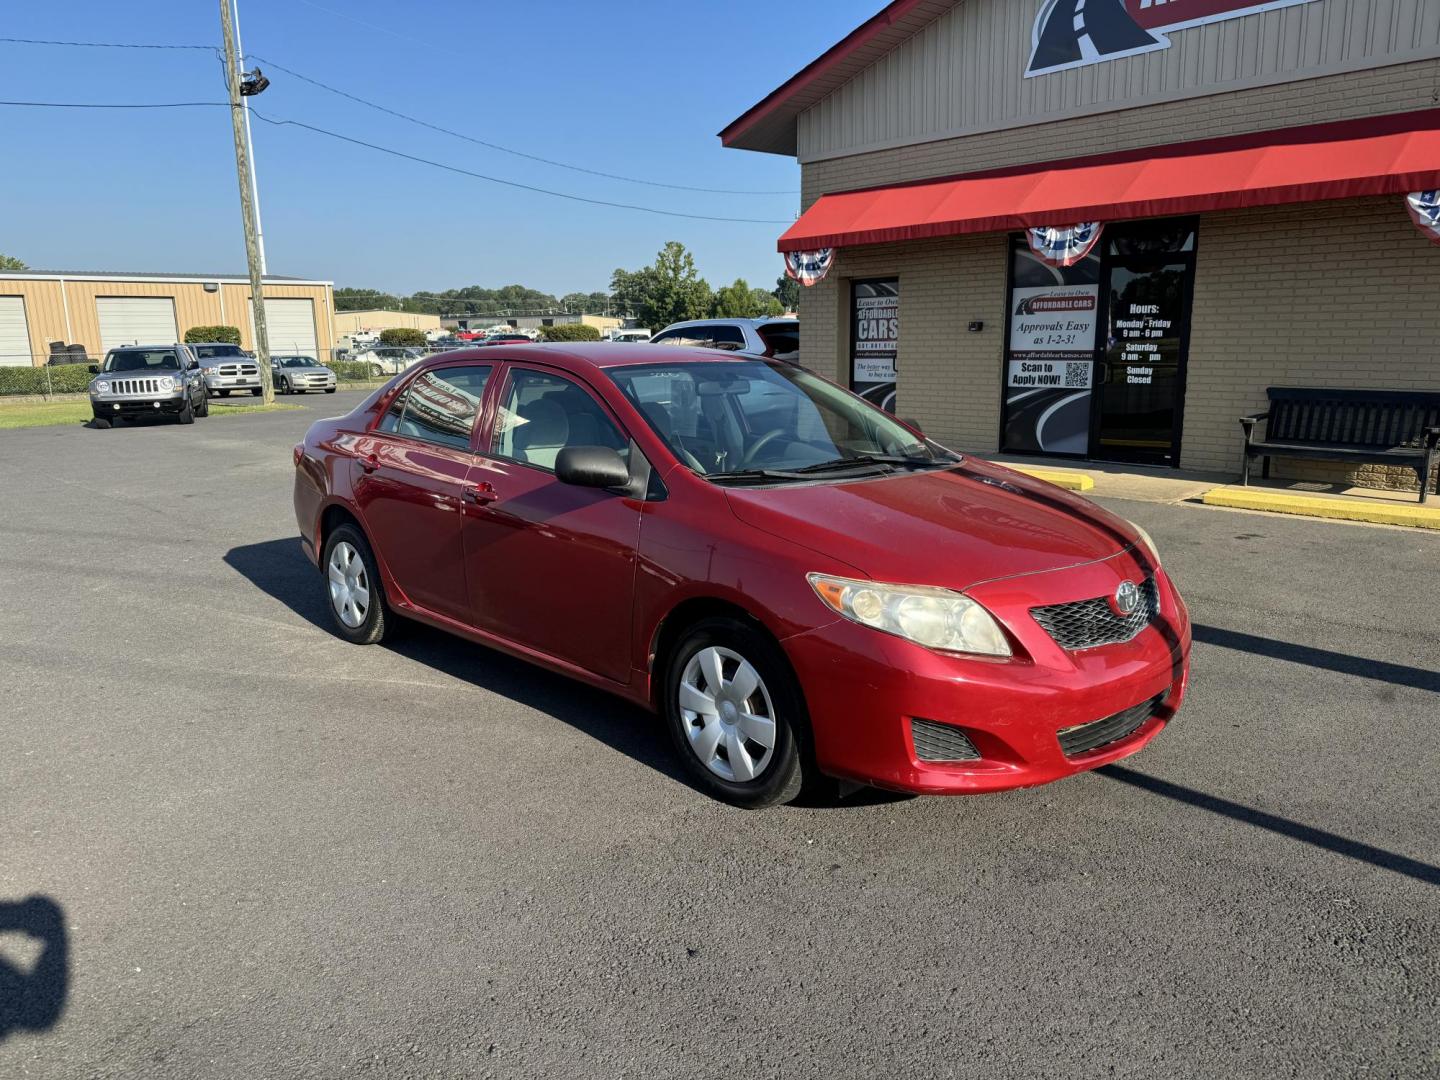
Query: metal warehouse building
[99,311]
[1101,229]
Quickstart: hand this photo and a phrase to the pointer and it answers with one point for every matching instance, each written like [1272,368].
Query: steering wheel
[760,444]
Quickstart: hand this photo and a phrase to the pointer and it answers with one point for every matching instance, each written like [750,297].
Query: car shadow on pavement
[34,999]
[279,569]
[1344,663]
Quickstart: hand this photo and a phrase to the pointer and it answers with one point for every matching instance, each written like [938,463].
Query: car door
[551,566]
[411,475]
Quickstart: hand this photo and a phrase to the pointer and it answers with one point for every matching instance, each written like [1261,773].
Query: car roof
[580,355]
[158,345]
[731,322]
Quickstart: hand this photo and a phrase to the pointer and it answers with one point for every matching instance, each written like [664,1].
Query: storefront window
[1050,354]
[874,339]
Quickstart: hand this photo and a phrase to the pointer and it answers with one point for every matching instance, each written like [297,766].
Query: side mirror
[193,365]
[914,424]
[94,369]
[592,467]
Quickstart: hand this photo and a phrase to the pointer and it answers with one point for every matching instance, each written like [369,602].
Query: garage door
[292,326]
[14,332]
[136,320]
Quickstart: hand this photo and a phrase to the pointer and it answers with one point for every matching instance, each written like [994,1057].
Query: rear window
[782,340]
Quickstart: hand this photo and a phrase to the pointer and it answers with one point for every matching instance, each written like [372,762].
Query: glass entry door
[1147,281]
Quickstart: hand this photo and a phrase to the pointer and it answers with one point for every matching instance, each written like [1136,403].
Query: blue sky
[637,88]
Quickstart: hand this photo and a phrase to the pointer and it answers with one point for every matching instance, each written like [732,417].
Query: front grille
[1085,624]
[236,370]
[941,742]
[1086,737]
[142,387]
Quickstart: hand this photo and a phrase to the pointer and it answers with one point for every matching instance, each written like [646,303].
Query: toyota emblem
[1127,598]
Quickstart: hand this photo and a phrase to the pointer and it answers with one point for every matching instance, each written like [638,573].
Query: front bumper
[163,406]
[232,382]
[865,688]
[311,383]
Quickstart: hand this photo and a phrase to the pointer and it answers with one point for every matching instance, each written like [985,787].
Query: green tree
[570,332]
[735,301]
[365,300]
[668,291]
[766,306]
[402,336]
[229,334]
[9,263]
[787,291]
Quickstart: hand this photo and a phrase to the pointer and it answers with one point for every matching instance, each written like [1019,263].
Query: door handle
[369,463]
[482,493]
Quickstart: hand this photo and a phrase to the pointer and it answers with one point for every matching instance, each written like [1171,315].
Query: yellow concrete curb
[1073,481]
[1279,502]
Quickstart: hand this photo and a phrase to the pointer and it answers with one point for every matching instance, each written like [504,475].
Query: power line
[496,146]
[103,44]
[514,183]
[115,105]
[401,154]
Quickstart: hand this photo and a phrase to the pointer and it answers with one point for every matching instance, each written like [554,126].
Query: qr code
[1077,373]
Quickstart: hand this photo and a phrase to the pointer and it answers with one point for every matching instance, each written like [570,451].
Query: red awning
[1383,155]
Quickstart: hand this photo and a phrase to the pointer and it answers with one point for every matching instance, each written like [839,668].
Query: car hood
[952,528]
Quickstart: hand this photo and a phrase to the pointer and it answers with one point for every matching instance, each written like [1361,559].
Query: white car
[776,338]
[629,336]
[389,360]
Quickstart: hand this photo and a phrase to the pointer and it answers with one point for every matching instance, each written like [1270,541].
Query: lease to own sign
[1077,33]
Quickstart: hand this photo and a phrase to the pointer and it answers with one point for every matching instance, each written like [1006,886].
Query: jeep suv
[228,367]
[148,380]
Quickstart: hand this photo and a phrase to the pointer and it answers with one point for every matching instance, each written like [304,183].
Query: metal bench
[1379,427]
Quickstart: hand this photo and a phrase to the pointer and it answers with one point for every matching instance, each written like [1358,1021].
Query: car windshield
[142,360]
[298,361]
[211,352]
[754,421]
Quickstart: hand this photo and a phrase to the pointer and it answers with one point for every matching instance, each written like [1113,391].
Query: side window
[440,406]
[725,335]
[541,414]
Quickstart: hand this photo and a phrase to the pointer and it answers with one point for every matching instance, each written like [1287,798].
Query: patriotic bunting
[1063,245]
[808,267]
[1424,207]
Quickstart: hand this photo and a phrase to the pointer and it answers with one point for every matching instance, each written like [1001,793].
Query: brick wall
[1332,294]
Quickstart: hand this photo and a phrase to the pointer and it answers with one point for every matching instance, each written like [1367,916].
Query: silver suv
[228,368]
[774,337]
[148,380]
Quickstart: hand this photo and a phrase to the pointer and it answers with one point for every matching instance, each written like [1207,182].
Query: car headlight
[935,618]
[166,384]
[100,388]
[1149,544]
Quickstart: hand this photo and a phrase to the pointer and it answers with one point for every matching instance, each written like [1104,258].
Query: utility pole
[250,145]
[247,203]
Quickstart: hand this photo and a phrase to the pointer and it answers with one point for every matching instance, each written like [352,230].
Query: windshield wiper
[766,476]
[871,459]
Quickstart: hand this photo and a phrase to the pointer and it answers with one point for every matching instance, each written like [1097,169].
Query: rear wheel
[734,711]
[352,585]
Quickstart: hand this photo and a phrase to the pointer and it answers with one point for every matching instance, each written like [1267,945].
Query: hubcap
[727,713]
[349,585]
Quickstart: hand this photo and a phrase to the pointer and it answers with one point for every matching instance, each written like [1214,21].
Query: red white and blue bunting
[808,267]
[1424,207]
[1064,245]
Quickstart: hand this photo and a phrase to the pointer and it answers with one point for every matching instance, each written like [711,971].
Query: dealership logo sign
[1077,33]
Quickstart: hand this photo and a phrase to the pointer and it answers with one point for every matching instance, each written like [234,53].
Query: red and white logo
[1076,33]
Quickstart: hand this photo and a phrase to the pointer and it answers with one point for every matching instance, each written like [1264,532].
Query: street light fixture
[252,83]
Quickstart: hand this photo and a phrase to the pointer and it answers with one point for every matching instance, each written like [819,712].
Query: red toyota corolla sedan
[797,582]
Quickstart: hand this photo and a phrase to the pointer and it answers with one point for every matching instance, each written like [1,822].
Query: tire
[203,409]
[280,387]
[359,628]
[331,390]
[257,391]
[707,742]
[187,414]
[100,422]
[224,393]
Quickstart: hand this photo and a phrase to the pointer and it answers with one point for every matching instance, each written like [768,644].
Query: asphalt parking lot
[267,853]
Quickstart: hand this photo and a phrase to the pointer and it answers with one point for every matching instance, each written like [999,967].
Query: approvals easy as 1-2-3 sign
[1075,33]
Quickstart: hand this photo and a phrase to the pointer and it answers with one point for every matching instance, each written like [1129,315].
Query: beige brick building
[1326,283]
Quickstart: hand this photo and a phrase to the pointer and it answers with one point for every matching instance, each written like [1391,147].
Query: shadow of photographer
[34,1000]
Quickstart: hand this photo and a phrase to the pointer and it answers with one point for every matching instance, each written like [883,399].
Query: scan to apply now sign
[1052,337]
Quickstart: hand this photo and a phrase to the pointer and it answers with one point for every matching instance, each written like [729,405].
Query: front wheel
[734,710]
[187,411]
[331,390]
[352,584]
[203,409]
[257,391]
